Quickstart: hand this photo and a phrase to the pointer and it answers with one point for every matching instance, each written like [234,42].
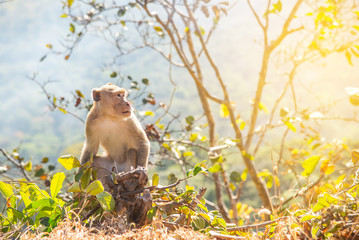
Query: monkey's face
[112,101]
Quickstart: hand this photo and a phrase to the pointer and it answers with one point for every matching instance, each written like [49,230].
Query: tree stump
[127,188]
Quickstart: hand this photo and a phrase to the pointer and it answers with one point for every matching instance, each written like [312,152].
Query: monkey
[112,124]
[104,166]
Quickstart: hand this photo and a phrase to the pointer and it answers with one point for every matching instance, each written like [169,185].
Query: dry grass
[114,229]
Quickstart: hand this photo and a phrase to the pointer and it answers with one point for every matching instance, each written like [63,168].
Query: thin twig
[17,164]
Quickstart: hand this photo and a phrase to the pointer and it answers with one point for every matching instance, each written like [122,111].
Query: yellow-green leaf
[56,183]
[263,107]
[6,189]
[215,168]
[70,2]
[277,6]
[28,166]
[158,29]
[75,187]
[188,154]
[309,165]
[205,216]
[244,175]
[94,188]
[79,93]
[62,110]
[149,113]
[193,137]
[290,125]
[155,179]
[25,198]
[223,111]
[307,217]
[69,162]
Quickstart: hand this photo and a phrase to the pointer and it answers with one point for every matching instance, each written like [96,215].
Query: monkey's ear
[96,94]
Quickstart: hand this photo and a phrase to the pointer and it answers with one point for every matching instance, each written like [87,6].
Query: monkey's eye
[120,95]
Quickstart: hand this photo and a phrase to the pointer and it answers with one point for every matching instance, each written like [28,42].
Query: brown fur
[112,125]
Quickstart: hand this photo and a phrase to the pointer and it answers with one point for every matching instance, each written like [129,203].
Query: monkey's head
[111,100]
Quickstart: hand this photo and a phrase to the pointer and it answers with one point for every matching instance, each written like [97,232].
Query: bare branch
[256,15]
[16,163]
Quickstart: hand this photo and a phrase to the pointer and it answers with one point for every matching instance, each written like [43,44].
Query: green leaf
[152,212]
[72,28]
[106,200]
[198,222]
[223,112]
[75,187]
[39,172]
[155,179]
[145,81]
[320,205]
[121,12]
[235,176]
[198,169]
[56,183]
[113,74]
[94,188]
[86,177]
[6,189]
[69,162]
[309,165]
[17,215]
[190,120]
[43,58]
[218,221]
[40,204]
[172,178]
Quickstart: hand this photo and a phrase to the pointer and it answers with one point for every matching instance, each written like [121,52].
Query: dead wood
[128,190]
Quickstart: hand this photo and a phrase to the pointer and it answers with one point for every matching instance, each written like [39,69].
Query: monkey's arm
[90,147]
[143,152]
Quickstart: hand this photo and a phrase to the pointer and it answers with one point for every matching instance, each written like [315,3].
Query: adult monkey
[112,125]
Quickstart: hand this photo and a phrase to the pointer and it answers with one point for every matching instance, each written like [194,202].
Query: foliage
[308,185]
